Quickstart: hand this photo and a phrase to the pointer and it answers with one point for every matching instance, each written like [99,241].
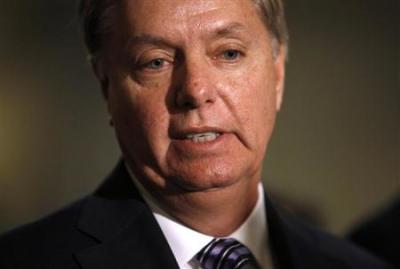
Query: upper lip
[181,133]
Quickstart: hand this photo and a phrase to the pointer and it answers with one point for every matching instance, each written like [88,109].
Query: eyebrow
[228,30]
[145,39]
[222,31]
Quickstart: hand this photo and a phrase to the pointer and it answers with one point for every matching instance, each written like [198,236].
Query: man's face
[193,90]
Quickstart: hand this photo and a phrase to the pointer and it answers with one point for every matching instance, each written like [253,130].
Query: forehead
[187,17]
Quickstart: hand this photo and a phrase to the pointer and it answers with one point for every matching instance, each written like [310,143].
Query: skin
[177,67]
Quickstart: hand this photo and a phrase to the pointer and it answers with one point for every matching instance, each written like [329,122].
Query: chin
[209,178]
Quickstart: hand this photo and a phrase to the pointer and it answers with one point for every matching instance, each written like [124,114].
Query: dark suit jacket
[114,228]
[381,234]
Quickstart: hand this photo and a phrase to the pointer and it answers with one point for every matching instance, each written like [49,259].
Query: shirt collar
[185,242]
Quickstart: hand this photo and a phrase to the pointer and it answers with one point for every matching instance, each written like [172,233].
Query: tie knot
[226,253]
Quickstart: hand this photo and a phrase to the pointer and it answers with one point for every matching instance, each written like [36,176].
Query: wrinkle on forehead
[187,9]
[187,16]
[194,14]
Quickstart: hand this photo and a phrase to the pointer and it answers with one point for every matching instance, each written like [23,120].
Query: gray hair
[97,17]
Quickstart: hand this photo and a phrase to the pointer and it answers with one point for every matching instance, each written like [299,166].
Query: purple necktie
[226,253]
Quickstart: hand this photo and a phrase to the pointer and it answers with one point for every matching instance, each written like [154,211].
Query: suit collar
[123,228]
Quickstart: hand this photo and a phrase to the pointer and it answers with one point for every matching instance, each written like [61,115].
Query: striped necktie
[226,253]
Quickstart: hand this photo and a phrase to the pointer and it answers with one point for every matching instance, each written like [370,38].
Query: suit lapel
[123,227]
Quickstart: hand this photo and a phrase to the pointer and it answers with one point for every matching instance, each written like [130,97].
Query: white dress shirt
[185,242]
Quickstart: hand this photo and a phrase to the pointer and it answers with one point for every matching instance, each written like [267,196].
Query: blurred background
[335,153]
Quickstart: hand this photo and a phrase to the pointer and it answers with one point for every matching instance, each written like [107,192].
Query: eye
[155,64]
[231,54]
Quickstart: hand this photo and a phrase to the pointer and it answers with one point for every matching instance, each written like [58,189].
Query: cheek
[253,95]
[254,105]
[264,105]
[150,117]
[140,118]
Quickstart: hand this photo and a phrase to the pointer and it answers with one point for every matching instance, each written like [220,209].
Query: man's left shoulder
[332,252]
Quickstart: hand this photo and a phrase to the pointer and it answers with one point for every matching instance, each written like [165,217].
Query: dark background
[336,147]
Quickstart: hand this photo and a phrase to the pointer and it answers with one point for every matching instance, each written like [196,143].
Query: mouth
[198,135]
[201,141]
[202,137]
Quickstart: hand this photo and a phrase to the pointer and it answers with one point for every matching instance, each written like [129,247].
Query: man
[192,88]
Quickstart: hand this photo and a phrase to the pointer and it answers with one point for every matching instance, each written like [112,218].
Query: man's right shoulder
[48,240]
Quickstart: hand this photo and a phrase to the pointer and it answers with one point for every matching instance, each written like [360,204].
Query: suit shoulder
[380,234]
[336,252]
[45,239]
[60,219]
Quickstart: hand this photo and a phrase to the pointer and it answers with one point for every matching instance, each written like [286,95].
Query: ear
[280,76]
[98,67]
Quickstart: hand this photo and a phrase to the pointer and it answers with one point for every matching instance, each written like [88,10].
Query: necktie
[226,253]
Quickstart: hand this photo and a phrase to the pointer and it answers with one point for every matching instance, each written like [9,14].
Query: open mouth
[202,137]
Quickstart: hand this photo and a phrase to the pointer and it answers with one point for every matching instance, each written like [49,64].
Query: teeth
[202,137]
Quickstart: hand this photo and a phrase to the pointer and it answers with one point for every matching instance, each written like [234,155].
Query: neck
[218,212]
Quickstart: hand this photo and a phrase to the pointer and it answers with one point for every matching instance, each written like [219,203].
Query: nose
[196,88]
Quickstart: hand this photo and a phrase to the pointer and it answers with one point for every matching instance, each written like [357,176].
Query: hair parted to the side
[96,18]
